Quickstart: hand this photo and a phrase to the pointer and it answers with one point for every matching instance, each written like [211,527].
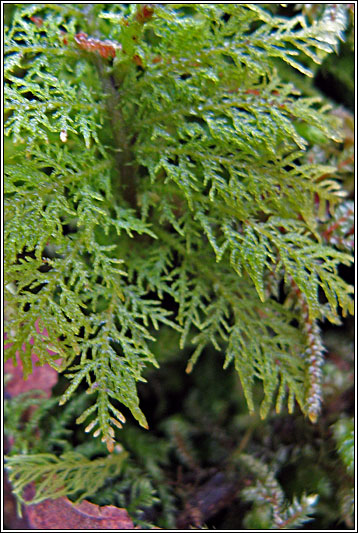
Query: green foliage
[66,475]
[22,417]
[344,435]
[147,480]
[167,189]
[271,511]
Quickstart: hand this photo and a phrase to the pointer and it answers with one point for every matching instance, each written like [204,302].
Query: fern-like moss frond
[148,184]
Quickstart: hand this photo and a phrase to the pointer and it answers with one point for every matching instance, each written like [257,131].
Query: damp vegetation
[178,233]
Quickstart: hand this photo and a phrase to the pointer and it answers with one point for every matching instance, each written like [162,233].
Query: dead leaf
[43,377]
[62,514]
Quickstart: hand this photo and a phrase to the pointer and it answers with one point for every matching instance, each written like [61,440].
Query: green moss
[173,193]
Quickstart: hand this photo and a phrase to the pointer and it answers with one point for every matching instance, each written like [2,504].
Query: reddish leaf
[144,13]
[37,20]
[43,377]
[63,514]
[137,60]
[105,48]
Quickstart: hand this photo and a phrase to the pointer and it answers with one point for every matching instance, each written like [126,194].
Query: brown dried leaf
[42,378]
[62,514]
